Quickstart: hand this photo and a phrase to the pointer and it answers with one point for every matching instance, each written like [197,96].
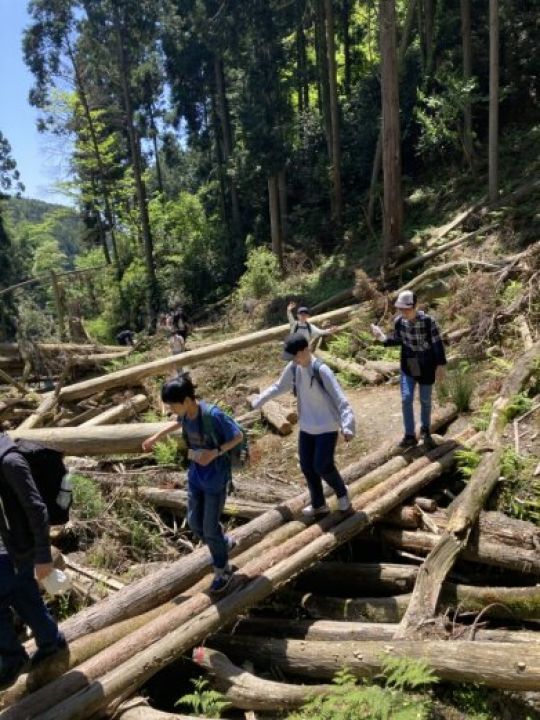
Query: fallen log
[450,267]
[496,554]
[138,709]
[249,692]
[275,416]
[359,578]
[176,500]
[341,630]
[37,419]
[133,375]
[371,377]
[55,349]
[498,665]
[168,636]
[94,440]
[123,411]
[81,418]
[467,507]
[500,602]
[383,367]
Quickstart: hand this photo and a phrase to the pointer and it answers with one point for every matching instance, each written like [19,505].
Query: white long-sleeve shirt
[305,329]
[319,411]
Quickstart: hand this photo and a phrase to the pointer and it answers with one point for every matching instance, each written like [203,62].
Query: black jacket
[24,522]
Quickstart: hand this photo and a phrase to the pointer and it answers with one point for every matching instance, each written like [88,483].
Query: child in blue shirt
[209,470]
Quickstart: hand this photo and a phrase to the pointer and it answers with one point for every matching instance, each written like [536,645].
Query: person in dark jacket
[126,337]
[25,558]
[422,362]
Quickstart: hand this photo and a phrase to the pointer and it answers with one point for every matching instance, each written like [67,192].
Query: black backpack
[307,327]
[316,367]
[48,471]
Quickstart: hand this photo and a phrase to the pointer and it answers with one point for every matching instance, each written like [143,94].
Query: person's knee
[324,466]
[195,526]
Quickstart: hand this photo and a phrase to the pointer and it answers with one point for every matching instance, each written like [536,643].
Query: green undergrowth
[457,387]
[518,494]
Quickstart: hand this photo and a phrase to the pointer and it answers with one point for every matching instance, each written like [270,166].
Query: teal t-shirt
[212,478]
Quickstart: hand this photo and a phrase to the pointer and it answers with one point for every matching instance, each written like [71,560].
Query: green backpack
[211,433]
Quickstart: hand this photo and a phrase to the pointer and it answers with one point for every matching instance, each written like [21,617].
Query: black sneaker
[47,651]
[427,440]
[221,582]
[408,441]
[11,668]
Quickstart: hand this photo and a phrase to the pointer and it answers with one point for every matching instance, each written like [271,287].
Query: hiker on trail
[25,559]
[301,323]
[323,410]
[126,337]
[422,363]
[180,324]
[209,471]
[177,343]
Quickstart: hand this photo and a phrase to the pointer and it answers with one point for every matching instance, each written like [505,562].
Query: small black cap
[303,309]
[292,345]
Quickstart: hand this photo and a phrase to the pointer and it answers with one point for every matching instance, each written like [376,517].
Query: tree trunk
[134,142]
[376,169]
[357,579]
[499,665]
[368,376]
[429,26]
[245,690]
[283,210]
[177,500]
[323,73]
[468,505]
[391,140]
[493,141]
[345,21]
[276,416]
[275,221]
[59,304]
[125,410]
[132,375]
[466,43]
[334,112]
[138,709]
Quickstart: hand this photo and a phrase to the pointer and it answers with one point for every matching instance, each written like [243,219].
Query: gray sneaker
[311,512]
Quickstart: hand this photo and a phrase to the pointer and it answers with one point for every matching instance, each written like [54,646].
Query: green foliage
[519,494]
[88,500]
[458,387]
[467,462]
[204,701]
[9,174]
[351,701]
[342,345]
[99,329]
[511,291]
[262,276]
[166,452]
[472,700]
[518,405]
[482,416]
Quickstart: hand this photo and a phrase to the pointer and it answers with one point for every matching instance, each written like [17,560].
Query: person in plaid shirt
[422,362]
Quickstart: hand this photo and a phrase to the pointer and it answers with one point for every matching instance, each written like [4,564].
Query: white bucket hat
[406,299]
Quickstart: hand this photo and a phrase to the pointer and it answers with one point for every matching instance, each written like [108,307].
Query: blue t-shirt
[214,477]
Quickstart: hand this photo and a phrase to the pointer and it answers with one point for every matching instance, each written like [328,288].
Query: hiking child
[422,363]
[301,323]
[25,558]
[177,343]
[323,410]
[209,471]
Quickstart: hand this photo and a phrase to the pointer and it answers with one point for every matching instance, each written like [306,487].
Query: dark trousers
[19,591]
[204,513]
[317,463]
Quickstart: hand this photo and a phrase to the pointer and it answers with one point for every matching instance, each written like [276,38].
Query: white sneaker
[344,503]
[311,512]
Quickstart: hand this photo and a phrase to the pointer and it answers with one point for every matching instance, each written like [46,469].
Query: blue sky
[39,159]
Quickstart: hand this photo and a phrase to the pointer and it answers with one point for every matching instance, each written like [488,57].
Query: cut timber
[245,690]
[124,410]
[482,551]
[443,270]
[59,348]
[37,419]
[275,416]
[371,377]
[421,259]
[341,630]
[176,500]
[468,505]
[133,375]
[499,665]
[138,709]
[506,603]
[383,367]
[99,440]
[358,578]
[130,662]
[15,383]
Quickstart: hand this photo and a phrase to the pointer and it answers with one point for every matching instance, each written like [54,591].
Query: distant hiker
[177,343]
[422,362]
[209,471]
[126,337]
[25,555]
[323,410]
[180,323]
[301,323]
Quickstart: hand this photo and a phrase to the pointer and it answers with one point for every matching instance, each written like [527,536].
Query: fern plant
[349,700]
[204,701]
[467,462]
[166,452]
[518,405]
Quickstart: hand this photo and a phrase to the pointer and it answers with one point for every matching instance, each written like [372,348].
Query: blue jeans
[317,461]
[204,512]
[408,384]
[19,590]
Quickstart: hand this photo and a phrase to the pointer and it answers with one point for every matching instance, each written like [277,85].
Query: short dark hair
[177,390]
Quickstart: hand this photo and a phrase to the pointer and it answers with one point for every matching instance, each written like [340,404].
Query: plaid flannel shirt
[419,338]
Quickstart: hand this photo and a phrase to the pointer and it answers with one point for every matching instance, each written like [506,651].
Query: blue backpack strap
[294,390]
[208,427]
[316,367]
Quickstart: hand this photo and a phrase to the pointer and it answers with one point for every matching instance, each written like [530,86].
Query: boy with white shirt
[323,410]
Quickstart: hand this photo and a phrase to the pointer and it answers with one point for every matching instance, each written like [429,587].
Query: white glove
[56,583]
[379,334]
